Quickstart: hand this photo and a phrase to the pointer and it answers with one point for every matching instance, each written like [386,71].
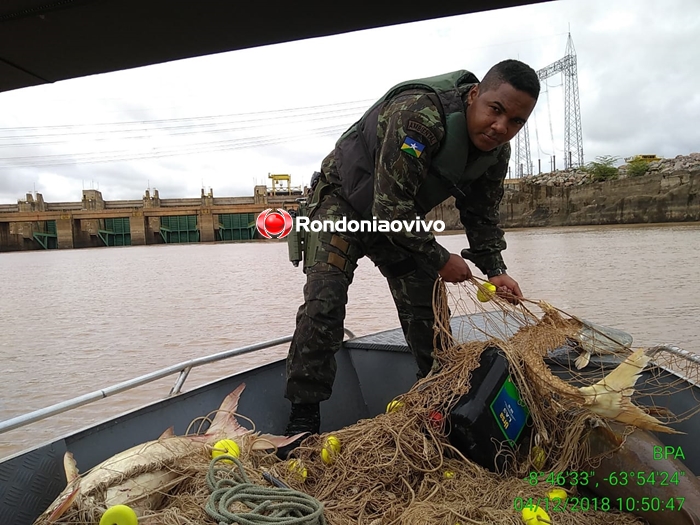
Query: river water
[75,321]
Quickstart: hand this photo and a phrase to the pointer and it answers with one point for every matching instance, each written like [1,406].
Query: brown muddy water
[74,321]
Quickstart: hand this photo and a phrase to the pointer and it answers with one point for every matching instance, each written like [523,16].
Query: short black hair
[518,74]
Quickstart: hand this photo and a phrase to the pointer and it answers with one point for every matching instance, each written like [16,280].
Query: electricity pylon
[573,136]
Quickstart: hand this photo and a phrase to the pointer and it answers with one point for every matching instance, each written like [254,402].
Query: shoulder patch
[412,147]
[414,125]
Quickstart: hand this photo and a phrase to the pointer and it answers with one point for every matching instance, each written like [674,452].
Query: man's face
[495,116]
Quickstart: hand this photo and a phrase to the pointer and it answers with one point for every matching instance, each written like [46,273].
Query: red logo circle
[274,224]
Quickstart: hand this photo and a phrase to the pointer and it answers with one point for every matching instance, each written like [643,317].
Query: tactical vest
[355,151]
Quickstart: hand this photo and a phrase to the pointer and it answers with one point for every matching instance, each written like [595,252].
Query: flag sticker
[412,147]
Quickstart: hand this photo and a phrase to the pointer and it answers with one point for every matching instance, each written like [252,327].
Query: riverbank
[653,198]
[668,192]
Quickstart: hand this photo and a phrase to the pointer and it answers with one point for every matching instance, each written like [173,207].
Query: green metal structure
[236,226]
[179,229]
[47,238]
[116,232]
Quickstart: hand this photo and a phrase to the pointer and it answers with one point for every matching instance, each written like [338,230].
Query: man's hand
[456,270]
[507,288]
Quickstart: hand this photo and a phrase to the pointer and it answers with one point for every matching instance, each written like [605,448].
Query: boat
[53,41]
[31,480]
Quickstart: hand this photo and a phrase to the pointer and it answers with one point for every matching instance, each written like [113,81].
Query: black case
[491,414]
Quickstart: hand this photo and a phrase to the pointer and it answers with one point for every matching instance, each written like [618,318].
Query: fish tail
[610,397]
[225,420]
[626,374]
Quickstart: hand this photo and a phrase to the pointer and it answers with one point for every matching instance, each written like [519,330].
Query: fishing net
[401,468]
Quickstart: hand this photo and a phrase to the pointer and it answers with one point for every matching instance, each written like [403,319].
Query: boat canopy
[44,41]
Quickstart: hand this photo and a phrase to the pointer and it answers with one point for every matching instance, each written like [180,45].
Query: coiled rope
[267,505]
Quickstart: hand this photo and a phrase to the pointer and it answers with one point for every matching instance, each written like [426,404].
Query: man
[422,142]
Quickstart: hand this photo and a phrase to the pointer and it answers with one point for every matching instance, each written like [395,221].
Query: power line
[540,151]
[192,149]
[345,115]
[549,116]
[287,117]
[303,109]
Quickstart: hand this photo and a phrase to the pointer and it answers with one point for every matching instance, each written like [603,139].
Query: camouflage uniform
[409,260]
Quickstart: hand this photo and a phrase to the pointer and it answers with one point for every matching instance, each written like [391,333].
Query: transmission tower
[521,157]
[573,140]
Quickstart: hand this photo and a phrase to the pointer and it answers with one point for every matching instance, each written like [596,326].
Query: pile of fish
[140,476]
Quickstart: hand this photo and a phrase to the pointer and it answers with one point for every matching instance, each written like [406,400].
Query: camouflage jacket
[414,115]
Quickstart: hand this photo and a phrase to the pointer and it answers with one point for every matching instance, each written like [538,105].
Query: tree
[637,167]
[602,168]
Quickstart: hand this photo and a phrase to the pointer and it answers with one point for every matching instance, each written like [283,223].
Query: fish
[611,397]
[635,453]
[620,454]
[139,476]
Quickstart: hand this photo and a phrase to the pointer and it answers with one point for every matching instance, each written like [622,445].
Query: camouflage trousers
[329,265]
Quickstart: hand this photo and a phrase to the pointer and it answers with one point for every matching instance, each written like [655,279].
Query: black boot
[303,418]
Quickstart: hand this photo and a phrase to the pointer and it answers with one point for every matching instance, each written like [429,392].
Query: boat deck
[372,370]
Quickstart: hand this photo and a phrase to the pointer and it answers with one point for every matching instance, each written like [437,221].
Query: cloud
[225,121]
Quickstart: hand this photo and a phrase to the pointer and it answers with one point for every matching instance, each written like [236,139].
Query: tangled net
[400,468]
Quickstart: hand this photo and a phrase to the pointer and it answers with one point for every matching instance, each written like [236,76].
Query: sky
[226,121]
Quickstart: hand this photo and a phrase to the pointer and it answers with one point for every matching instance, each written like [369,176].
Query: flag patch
[412,147]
